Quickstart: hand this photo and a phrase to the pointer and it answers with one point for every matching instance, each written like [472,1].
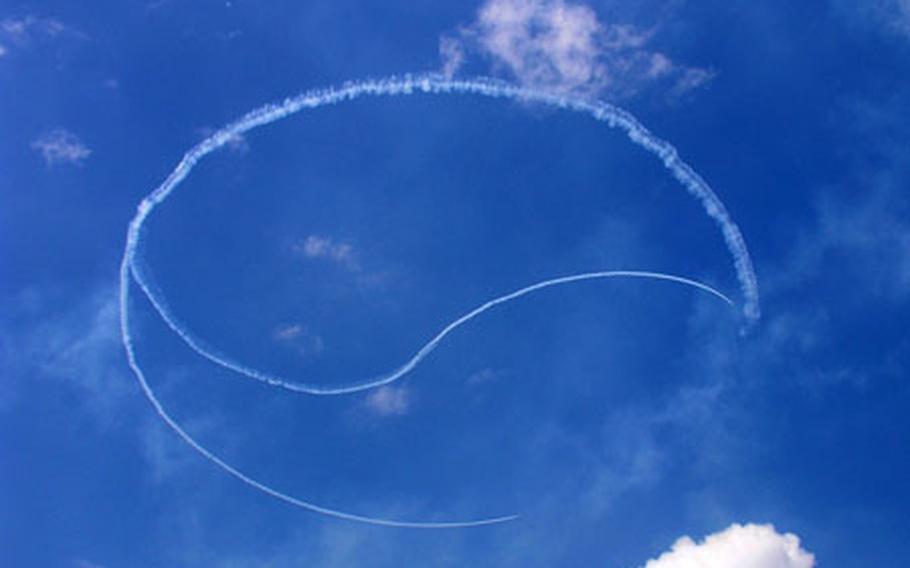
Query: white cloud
[389,401]
[288,332]
[857,253]
[168,457]
[320,247]
[543,43]
[300,337]
[74,347]
[692,78]
[82,563]
[896,14]
[83,348]
[872,232]
[740,546]
[452,53]
[61,147]
[26,32]
[356,268]
[485,375]
[561,46]
[892,16]
[21,31]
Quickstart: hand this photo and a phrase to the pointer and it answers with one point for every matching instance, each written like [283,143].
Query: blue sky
[630,423]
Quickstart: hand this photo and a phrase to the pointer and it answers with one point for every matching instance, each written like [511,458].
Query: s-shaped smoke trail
[197,345]
[209,455]
[432,84]
[407,367]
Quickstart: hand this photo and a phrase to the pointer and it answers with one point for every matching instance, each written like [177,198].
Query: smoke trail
[435,84]
[407,367]
[207,454]
[226,361]
[431,84]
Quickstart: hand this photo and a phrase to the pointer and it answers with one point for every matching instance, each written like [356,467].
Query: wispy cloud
[168,457]
[300,338]
[452,53]
[870,234]
[891,17]
[61,146]
[739,546]
[77,349]
[893,14]
[845,265]
[22,31]
[482,376]
[903,12]
[82,563]
[52,344]
[83,348]
[634,451]
[389,401]
[558,45]
[689,79]
[30,31]
[356,265]
[322,247]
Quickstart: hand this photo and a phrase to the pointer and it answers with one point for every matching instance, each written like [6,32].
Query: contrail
[404,369]
[228,362]
[436,84]
[209,455]
[430,84]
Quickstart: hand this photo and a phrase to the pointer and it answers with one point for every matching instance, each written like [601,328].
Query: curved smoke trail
[226,361]
[209,455]
[407,367]
[613,116]
[432,84]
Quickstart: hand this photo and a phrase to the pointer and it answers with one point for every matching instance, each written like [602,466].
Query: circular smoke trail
[613,116]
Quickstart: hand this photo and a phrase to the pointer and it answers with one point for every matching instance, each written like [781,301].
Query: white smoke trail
[209,455]
[431,84]
[407,367]
[197,345]
[437,84]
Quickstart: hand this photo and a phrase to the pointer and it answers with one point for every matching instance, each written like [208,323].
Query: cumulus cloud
[61,147]
[561,46]
[740,546]
[389,401]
